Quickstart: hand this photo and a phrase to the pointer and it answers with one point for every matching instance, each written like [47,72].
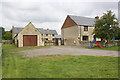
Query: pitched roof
[79,20]
[47,31]
[16,30]
[58,36]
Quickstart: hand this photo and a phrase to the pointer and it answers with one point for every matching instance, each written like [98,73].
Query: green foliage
[0,34]
[117,37]
[106,26]
[7,35]
[3,31]
[57,66]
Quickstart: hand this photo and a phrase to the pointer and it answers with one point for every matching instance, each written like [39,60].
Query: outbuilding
[31,36]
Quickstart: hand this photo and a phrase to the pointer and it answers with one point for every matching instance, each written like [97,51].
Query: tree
[8,35]
[106,26]
[0,34]
[3,31]
[117,37]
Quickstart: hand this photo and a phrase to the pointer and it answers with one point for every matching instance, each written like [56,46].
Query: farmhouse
[78,29]
[32,36]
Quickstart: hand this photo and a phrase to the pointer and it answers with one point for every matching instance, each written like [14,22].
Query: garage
[29,40]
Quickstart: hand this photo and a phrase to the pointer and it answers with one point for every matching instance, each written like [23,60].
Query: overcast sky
[46,14]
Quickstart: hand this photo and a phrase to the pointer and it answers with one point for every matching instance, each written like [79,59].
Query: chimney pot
[12,27]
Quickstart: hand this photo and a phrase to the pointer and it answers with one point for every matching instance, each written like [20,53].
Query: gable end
[68,23]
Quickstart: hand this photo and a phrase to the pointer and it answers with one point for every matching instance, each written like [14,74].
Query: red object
[98,44]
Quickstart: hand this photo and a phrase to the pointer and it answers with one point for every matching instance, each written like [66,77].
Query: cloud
[50,14]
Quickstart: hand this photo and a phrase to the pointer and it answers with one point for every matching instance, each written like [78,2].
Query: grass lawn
[12,48]
[114,48]
[57,66]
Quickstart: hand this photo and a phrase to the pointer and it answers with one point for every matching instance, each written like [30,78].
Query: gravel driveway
[69,51]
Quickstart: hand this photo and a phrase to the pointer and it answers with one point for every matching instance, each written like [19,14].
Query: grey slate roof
[58,36]
[16,30]
[86,21]
[47,31]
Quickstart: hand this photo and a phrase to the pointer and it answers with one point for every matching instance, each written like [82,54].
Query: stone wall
[70,35]
[75,34]
[87,43]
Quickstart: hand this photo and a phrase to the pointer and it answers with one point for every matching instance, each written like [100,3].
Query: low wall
[111,43]
[84,44]
[49,43]
[7,41]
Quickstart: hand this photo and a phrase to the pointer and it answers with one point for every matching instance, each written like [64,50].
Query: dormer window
[85,28]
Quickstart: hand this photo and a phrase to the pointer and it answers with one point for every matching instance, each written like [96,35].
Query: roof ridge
[18,27]
[80,16]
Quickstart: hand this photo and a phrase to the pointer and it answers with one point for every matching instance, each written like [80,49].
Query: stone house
[32,36]
[78,29]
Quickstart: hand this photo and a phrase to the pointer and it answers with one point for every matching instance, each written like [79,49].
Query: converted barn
[32,36]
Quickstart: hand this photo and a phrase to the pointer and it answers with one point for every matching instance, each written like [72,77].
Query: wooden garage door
[29,40]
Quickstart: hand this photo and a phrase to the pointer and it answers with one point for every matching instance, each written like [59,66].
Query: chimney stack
[12,27]
[97,17]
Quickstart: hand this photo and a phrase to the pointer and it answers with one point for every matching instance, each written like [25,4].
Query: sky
[50,13]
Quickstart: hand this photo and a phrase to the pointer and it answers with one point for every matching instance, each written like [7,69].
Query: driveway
[69,51]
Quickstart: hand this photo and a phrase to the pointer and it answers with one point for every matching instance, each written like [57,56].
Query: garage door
[29,40]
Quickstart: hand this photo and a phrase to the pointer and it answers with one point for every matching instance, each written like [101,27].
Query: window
[85,38]
[53,39]
[46,34]
[46,39]
[85,28]
[42,39]
[53,35]
[42,34]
